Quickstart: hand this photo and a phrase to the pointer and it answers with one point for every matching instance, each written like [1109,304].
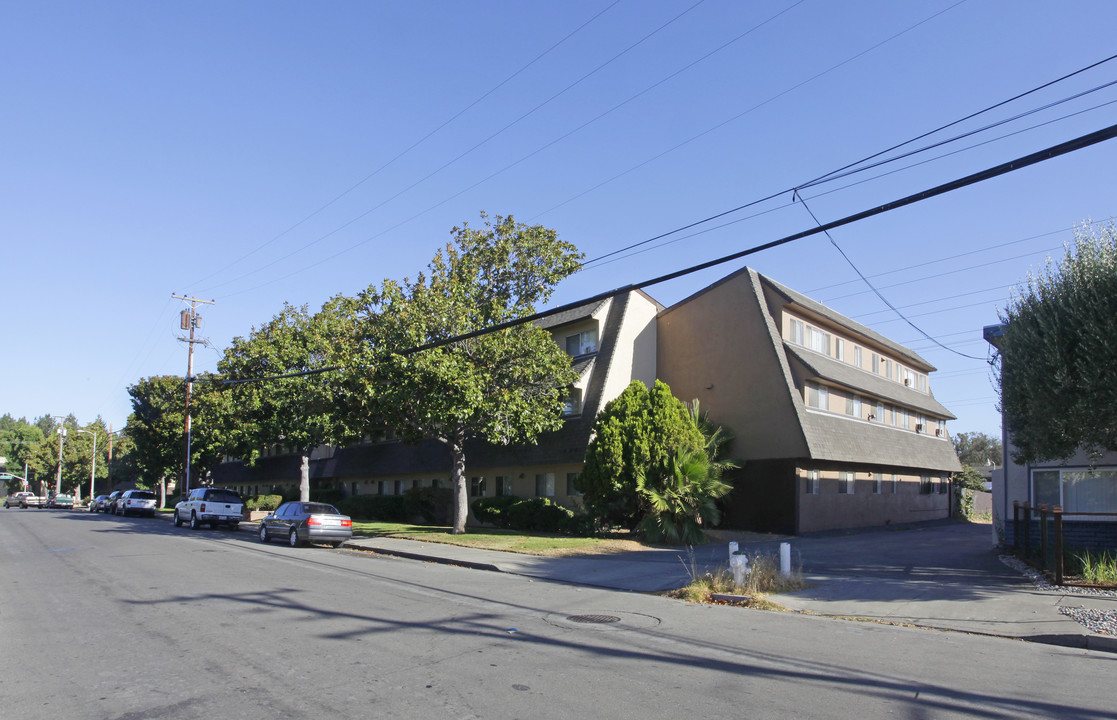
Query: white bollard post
[740,566]
[785,559]
[732,549]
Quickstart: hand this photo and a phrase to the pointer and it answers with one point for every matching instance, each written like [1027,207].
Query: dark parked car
[97,504]
[302,522]
[110,502]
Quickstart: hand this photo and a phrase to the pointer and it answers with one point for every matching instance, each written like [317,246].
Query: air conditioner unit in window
[907,381]
[938,432]
[919,427]
[872,417]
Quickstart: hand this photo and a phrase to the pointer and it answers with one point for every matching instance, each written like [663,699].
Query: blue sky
[260,152]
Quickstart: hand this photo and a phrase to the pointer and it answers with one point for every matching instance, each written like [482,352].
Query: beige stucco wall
[717,347]
[831,510]
[634,357]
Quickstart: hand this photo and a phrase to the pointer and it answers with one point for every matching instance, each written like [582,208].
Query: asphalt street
[107,617]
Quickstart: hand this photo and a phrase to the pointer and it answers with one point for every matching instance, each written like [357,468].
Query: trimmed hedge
[385,508]
[263,502]
[492,509]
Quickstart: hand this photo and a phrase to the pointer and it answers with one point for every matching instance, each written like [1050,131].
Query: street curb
[427,558]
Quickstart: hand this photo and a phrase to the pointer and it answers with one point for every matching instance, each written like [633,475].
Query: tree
[18,440]
[977,449]
[504,387]
[1058,381]
[156,425]
[297,412]
[636,436]
[682,500]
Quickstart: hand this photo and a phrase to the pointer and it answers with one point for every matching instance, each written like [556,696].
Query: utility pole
[189,321]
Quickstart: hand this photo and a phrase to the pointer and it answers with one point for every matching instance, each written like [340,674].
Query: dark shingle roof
[828,368]
[572,315]
[840,439]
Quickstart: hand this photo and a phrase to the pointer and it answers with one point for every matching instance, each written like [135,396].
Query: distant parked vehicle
[136,502]
[210,506]
[25,499]
[300,523]
[97,504]
[110,501]
[61,502]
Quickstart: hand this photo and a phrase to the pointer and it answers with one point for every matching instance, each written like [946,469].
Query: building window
[876,363]
[397,488]
[796,331]
[900,418]
[379,487]
[572,403]
[503,485]
[887,368]
[545,484]
[434,482]
[857,356]
[942,485]
[920,423]
[878,483]
[840,349]
[853,406]
[895,483]
[477,487]
[812,482]
[845,482]
[880,412]
[818,340]
[582,343]
[921,381]
[353,488]
[571,478]
[818,396]
[925,485]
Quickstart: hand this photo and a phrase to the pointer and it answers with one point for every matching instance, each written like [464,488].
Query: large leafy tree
[503,387]
[637,438]
[155,448]
[298,411]
[18,440]
[977,449]
[1058,381]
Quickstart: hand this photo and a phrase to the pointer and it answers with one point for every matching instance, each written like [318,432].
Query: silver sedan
[303,522]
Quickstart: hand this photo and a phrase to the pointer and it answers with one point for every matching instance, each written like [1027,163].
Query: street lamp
[93,465]
[61,442]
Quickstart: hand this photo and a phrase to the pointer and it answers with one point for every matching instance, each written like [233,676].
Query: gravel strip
[1103,622]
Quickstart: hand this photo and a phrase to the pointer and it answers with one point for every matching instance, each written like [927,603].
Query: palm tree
[682,501]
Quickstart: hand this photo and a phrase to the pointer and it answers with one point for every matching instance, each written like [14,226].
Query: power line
[1011,166]
[414,145]
[465,153]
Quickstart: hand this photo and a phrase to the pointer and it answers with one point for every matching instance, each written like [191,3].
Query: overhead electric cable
[447,164]
[415,144]
[1020,163]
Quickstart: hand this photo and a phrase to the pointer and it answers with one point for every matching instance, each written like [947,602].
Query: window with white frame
[572,403]
[545,484]
[818,396]
[582,343]
[876,363]
[942,484]
[921,382]
[818,340]
[477,487]
[895,483]
[908,378]
[845,482]
[925,487]
[880,411]
[812,487]
[857,355]
[503,485]
[840,349]
[921,423]
[1078,490]
[797,328]
[853,405]
[878,483]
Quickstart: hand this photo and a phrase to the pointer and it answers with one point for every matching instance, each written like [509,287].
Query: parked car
[110,501]
[210,506]
[16,499]
[61,501]
[136,502]
[303,522]
[97,504]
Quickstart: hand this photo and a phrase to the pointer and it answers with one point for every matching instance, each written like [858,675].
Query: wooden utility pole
[189,321]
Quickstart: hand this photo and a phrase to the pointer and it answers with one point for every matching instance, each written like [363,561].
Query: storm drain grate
[593,619]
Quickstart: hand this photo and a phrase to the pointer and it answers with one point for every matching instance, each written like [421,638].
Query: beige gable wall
[635,355]
[720,347]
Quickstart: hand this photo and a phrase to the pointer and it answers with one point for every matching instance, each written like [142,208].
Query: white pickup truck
[25,499]
[210,506]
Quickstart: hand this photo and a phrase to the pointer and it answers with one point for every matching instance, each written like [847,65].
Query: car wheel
[293,538]
[178,520]
[194,524]
[263,533]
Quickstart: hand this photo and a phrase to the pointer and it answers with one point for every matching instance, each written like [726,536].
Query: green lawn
[493,539]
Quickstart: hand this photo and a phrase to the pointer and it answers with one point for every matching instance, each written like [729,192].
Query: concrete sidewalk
[942,575]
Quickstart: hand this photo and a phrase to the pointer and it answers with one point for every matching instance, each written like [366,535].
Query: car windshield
[320,509]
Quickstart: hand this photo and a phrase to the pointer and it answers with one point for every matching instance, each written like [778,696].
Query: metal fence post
[1027,530]
[1016,525]
[1058,512]
[1043,535]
